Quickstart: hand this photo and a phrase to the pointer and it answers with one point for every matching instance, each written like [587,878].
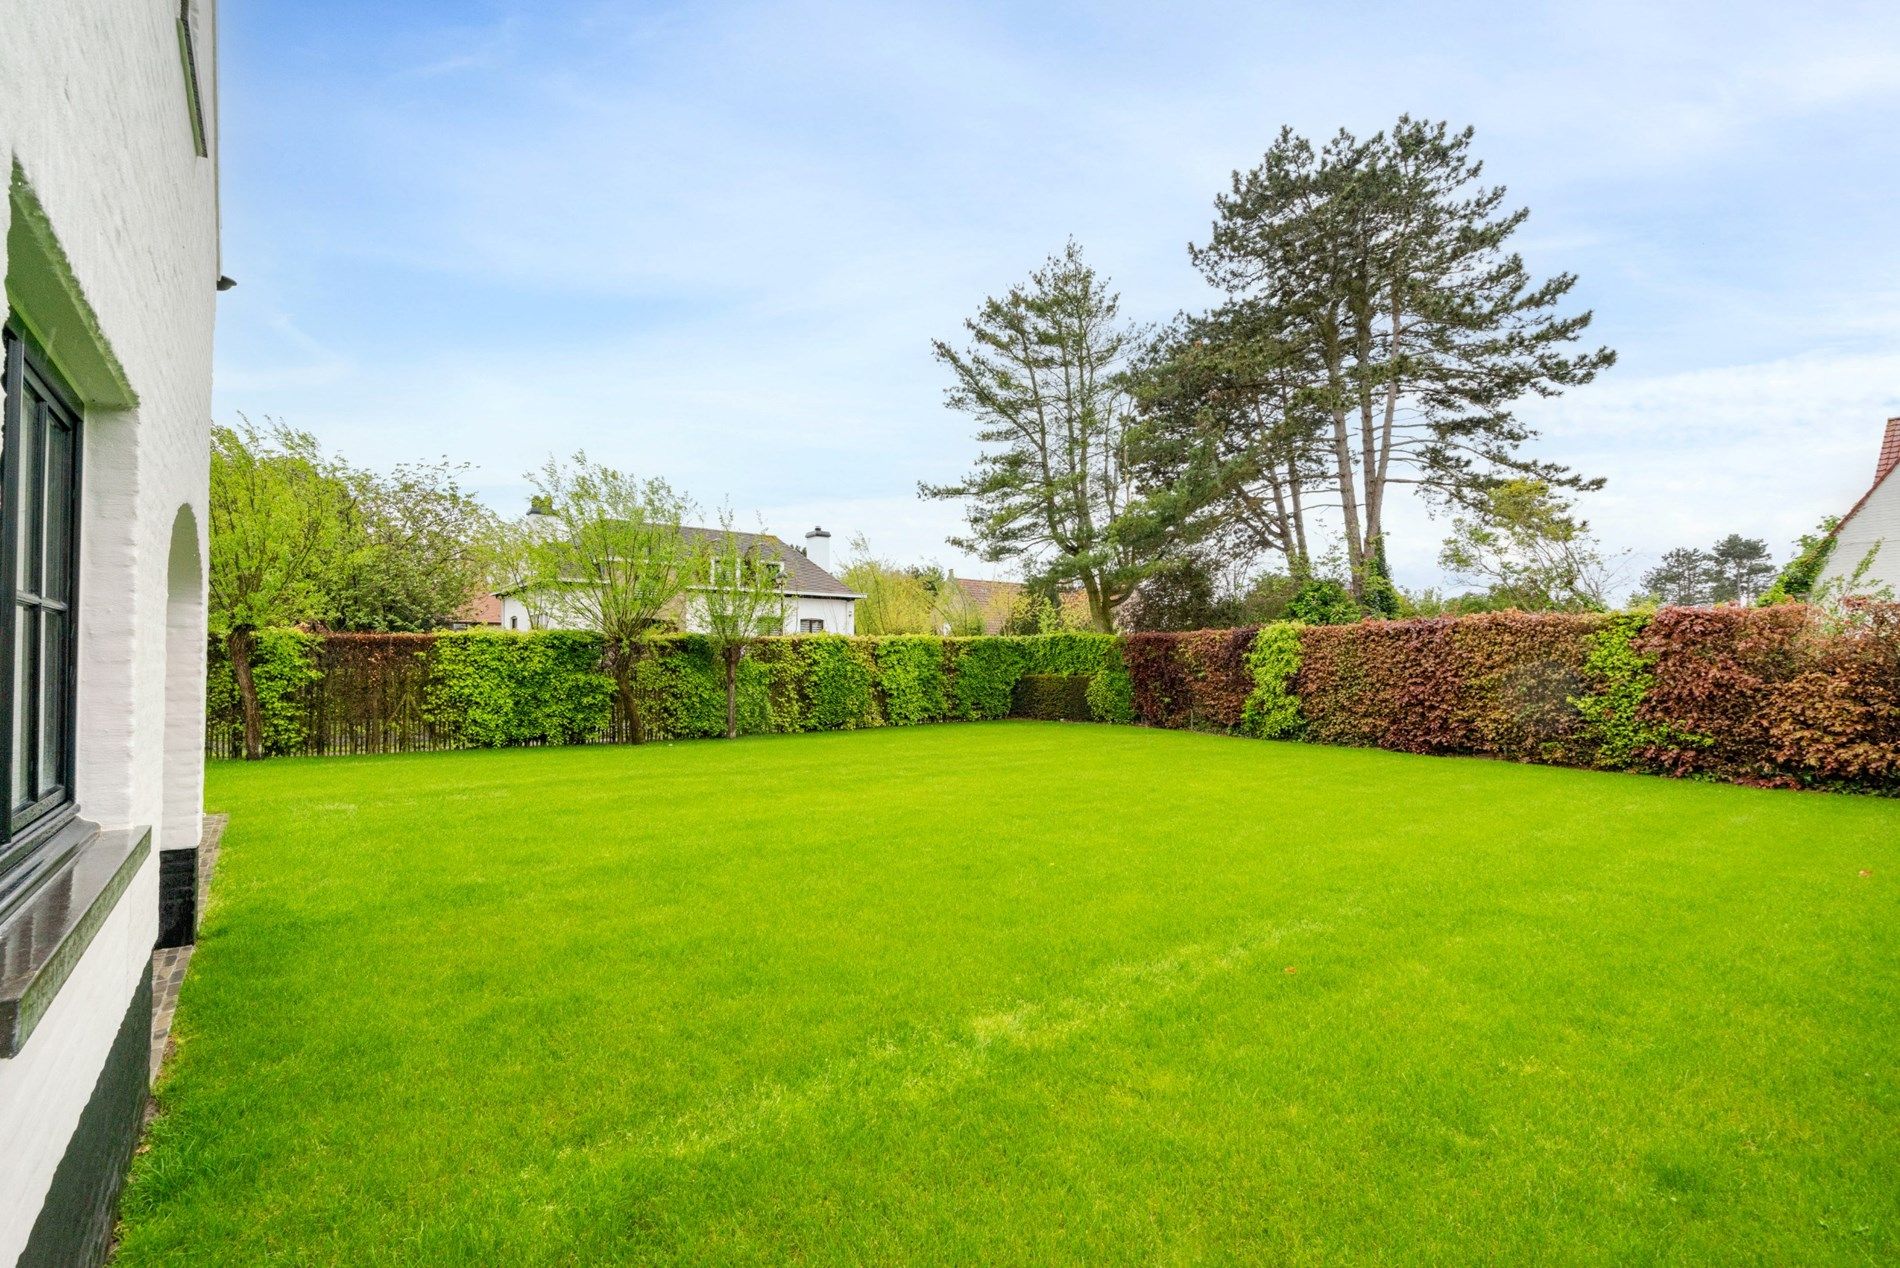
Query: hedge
[1783,696]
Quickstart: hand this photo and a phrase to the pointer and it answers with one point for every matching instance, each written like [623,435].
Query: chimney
[818,548]
[1889,451]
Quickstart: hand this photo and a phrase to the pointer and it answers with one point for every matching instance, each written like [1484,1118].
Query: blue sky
[713,242]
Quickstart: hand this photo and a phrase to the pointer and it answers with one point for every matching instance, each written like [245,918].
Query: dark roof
[802,576]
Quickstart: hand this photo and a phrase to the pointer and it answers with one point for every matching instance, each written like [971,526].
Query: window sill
[42,938]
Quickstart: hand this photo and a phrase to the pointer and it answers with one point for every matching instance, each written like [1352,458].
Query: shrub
[1272,711]
[1773,696]
[1053,697]
[1498,684]
[1111,693]
[1068,652]
[1621,679]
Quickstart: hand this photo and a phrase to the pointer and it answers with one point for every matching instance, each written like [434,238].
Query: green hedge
[1053,697]
[487,688]
[1775,695]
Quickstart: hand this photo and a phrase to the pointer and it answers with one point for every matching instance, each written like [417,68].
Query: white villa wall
[839,615]
[1875,525]
[93,112]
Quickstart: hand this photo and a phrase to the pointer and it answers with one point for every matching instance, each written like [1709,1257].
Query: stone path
[170,963]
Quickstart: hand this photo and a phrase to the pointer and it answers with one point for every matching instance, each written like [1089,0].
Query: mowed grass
[1023,992]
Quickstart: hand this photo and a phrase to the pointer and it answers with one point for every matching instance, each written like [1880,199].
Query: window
[811,625]
[194,96]
[39,555]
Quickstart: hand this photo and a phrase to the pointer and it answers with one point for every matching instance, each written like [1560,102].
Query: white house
[1873,525]
[109,137]
[816,601]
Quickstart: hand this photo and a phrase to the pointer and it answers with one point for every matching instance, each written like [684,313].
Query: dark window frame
[811,625]
[36,398]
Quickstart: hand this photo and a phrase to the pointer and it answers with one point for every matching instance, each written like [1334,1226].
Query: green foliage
[1069,652]
[1797,580]
[1524,545]
[280,520]
[283,663]
[1272,711]
[418,548]
[983,675]
[836,684]
[1053,697]
[1622,678]
[911,679]
[488,688]
[1111,694]
[1323,601]
[1044,378]
[682,684]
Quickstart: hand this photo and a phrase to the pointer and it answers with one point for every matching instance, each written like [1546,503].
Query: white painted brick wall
[1876,523]
[93,109]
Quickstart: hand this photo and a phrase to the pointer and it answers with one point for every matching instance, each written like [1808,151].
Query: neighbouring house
[109,134]
[483,612]
[994,601]
[1872,526]
[816,601]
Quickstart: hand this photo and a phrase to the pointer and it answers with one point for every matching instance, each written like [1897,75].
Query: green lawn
[1023,992]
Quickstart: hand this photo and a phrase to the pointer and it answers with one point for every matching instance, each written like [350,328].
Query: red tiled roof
[483,609]
[1884,466]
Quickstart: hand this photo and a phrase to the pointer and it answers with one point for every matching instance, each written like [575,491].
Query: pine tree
[1682,578]
[1740,569]
[1389,261]
[1045,378]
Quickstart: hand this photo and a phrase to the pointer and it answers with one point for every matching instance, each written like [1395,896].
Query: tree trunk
[238,643]
[732,691]
[623,666]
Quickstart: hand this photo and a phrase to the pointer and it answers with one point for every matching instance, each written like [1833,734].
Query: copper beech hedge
[1782,696]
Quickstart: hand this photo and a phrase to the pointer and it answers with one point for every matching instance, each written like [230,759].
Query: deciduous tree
[280,520]
[609,554]
[1528,549]
[741,598]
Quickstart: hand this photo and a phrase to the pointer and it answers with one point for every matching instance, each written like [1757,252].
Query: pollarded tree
[1053,485]
[740,597]
[281,524]
[1391,261]
[610,556]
